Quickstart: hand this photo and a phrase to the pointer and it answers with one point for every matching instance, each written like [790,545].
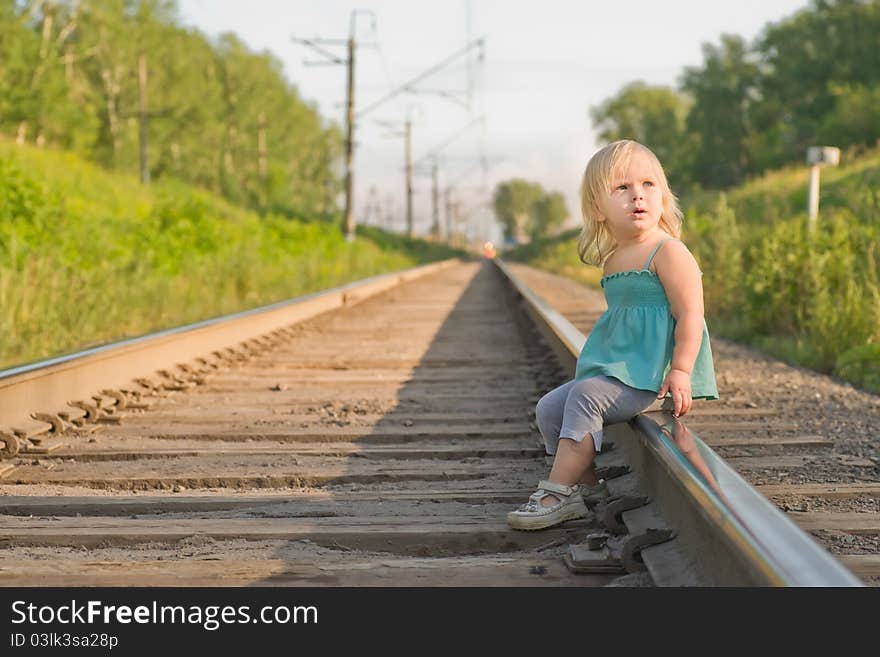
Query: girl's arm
[680,276]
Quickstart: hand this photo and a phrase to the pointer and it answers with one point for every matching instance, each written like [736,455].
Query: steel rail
[48,386]
[733,535]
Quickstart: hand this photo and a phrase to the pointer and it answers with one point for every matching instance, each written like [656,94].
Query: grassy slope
[88,257]
[783,193]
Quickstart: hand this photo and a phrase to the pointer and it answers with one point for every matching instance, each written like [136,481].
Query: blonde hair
[596,242]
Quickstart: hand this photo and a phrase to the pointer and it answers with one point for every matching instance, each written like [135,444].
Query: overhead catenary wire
[352,115]
[449,140]
[409,86]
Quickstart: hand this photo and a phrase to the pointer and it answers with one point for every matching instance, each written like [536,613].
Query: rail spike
[609,511]
[58,424]
[118,395]
[631,553]
[92,410]
[11,444]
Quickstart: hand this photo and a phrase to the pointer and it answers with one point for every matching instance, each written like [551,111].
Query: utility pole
[261,146]
[410,87]
[433,156]
[435,210]
[349,139]
[351,115]
[448,203]
[409,185]
[408,164]
[348,219]
[142,102]
[143,115]
[373,211]
[262,169]
[453,185]
[389,212]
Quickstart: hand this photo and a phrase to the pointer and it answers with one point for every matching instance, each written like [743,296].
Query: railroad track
[374,435]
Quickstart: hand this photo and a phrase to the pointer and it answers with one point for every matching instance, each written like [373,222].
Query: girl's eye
[649,183]
[621,187]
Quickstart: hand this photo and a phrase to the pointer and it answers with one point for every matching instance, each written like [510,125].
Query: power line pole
[261,146]
[408,165]
[143,116]
[460,228]
[142,102]
[452,185]
[349,140]
[435,209]
[372,211]
[433,156]
[348,220]
[262,169]
[448,200]
[409,185]
[389,211]
[351,115]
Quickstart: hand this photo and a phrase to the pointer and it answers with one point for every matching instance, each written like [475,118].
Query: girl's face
[632,205]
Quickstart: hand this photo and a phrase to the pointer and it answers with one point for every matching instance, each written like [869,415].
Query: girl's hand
[678,384]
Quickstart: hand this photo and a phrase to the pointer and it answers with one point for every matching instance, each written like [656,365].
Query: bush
[861,366]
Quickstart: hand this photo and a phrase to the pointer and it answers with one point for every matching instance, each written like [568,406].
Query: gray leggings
[577,408]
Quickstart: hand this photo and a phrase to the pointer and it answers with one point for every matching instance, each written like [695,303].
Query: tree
[815,64]
[548,213]
[526,212]
[218,115]
[722,91]
[652,115]
[39,101]
[513,203]
[855,118]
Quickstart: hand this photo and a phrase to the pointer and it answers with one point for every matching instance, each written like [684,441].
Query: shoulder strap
[656,248]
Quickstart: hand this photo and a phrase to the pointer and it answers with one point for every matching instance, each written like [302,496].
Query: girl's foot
[534,515]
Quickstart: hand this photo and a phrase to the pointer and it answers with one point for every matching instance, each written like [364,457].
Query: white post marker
[818,156]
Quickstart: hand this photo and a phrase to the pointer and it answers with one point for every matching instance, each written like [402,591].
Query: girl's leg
[591,404]
[573,462]
[549,413]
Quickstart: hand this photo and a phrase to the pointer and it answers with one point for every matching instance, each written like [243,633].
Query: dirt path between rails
[383,444]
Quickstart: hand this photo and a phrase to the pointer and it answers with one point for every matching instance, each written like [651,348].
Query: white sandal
[532,515]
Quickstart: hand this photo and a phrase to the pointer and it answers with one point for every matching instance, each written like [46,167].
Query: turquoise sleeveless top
[633,340]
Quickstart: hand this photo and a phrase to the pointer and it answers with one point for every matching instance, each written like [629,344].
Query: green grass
[89,257]
[781,194]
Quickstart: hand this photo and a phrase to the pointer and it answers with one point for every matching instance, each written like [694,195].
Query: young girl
[652,342]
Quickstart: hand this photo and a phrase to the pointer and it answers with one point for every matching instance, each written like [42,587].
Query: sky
[522,110]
